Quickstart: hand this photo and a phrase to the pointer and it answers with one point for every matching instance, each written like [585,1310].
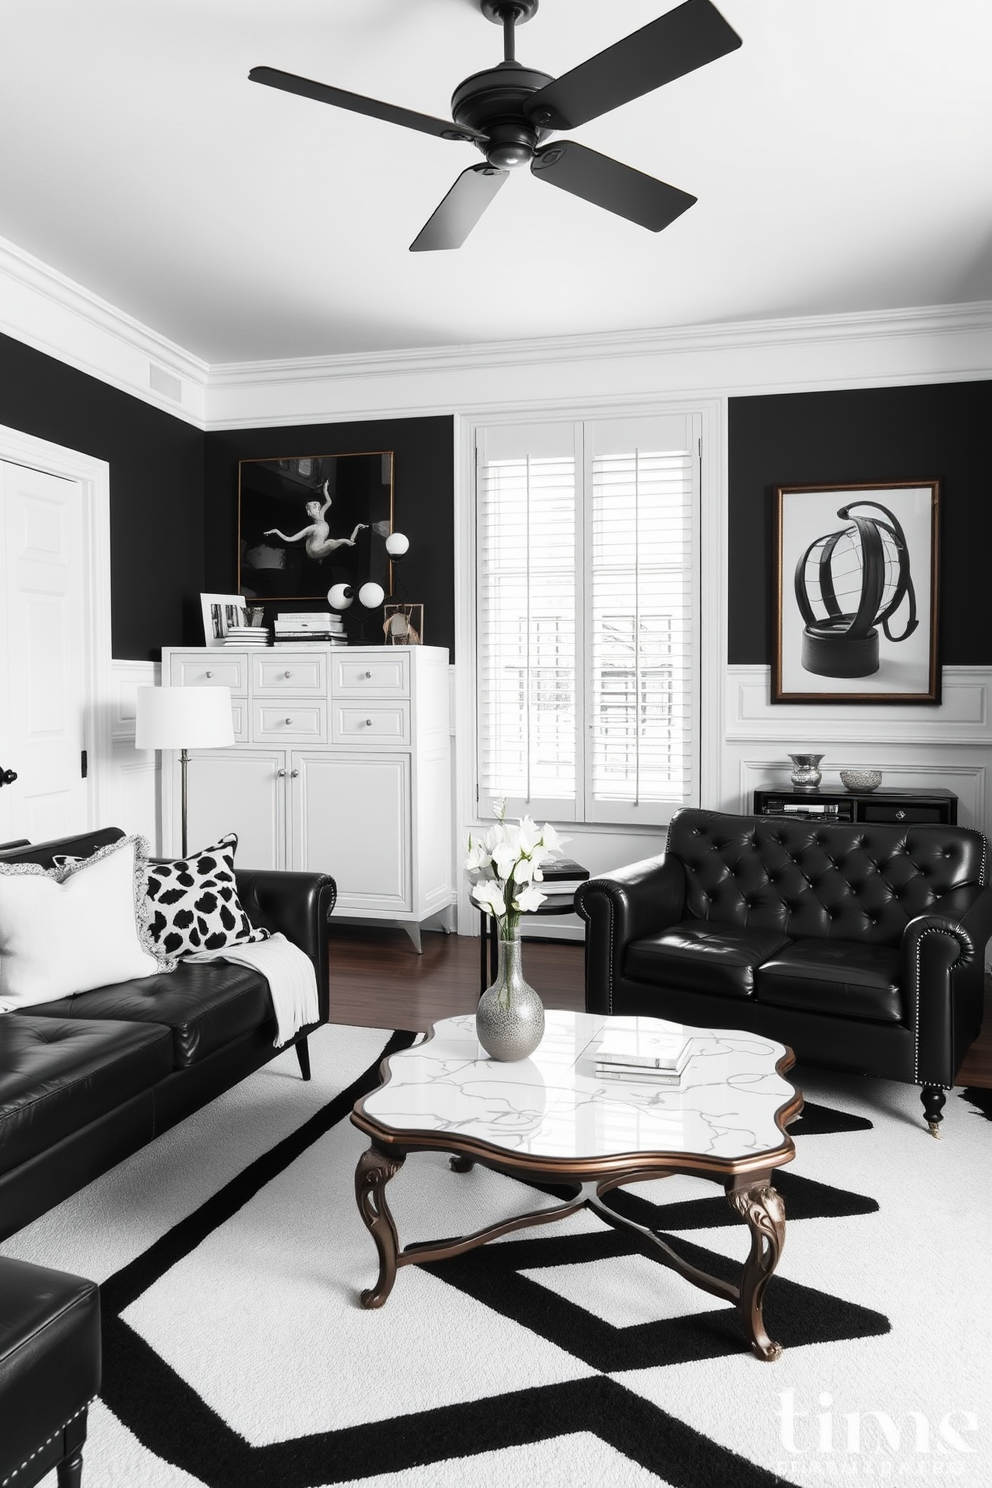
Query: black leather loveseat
[861,946]
[87,1080]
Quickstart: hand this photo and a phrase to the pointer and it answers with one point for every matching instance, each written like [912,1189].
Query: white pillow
[69,929]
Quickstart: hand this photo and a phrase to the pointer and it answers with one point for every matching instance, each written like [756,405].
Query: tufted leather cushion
[205,1005]
[705,957]
[844,881]
[49,1360]
[841,978]
[58,1075]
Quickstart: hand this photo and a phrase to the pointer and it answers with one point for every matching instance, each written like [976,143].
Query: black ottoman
[49,1372]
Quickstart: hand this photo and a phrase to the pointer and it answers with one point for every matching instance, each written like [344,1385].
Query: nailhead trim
[916,1031]
[38,1450]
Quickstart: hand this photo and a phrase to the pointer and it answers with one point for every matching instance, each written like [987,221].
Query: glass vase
[509,1020]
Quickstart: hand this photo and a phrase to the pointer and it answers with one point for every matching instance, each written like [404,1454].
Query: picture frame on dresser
[308,522]
[220,612]
[856,605]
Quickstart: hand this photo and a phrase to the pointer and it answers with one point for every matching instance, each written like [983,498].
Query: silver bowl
[861,780]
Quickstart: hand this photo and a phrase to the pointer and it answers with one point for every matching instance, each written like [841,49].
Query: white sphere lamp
[340,596]
[371,595]
[396,545]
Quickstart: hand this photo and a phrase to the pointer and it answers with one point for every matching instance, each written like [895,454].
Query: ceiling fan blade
[686,38]
[460,210]
[359,104]
[607,183]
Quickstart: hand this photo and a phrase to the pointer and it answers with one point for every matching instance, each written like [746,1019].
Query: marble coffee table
[550,1119]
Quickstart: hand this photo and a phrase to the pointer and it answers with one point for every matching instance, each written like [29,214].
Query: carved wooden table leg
[374,1171]
[762,1208]
[459,1164]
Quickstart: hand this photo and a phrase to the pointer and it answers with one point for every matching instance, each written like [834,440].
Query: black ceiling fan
[508,110]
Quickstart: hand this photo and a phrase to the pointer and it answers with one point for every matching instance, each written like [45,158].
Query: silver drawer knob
[294,773]
[900,815]
[368,674]
[210,674]
[287,674]
[289,720]
[280,773]
[368,723]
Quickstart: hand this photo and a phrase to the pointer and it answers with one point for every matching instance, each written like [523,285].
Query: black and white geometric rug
[230,1255]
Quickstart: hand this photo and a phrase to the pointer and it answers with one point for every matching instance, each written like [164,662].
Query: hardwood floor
[379,981]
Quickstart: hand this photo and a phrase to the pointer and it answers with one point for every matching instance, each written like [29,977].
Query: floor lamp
[183,718]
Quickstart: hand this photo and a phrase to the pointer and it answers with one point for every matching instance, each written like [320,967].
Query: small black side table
[938,806]
[563,870]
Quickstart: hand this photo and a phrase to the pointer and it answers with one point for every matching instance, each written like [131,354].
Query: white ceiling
[842,159]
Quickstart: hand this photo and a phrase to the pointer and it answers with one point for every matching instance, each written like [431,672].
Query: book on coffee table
[638,1043]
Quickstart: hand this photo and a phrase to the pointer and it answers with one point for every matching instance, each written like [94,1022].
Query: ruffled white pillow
[72,928]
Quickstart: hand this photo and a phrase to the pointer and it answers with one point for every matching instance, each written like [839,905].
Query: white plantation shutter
[641,479]
[587,618]
[527,620]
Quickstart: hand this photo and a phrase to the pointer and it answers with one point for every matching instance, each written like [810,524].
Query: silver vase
[509,1020]
[805,771]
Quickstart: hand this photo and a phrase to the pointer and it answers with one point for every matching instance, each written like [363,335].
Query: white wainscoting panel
[945,746]
[135,793]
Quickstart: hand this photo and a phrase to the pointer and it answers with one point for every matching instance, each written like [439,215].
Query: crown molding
[930,320]
[54,314]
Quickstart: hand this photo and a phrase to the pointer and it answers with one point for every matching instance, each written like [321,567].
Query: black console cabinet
[940,806]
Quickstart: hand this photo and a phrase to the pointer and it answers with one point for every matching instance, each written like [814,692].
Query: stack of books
[637,1049]
[319,626]
[246,635]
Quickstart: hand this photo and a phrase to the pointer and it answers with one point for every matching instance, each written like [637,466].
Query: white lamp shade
[397,543]
[340,596]
[183,718]
[371,595]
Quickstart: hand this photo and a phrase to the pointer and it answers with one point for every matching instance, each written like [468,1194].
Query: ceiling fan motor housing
[493,102]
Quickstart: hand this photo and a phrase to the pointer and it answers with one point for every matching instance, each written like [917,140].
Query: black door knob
[7,777]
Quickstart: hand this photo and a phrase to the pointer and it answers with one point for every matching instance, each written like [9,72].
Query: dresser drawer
[368,676]
[289,721]
[300,673]
[374,722]
[219,669]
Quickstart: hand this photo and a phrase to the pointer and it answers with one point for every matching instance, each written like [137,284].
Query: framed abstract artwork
[310,521]
[857,583]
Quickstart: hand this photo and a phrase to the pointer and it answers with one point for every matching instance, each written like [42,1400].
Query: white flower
[488,895]
[478,854]
[528,899]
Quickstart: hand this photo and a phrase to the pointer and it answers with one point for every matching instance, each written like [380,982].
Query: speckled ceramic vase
[510,1017]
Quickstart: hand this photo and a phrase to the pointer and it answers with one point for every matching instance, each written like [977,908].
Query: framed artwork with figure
[857,572]
[310,521]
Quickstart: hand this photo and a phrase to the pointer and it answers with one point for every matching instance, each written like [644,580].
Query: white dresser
[341,765]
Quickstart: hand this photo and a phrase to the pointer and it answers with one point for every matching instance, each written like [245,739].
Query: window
[588,617]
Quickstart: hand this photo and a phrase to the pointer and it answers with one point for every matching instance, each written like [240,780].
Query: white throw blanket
[290,976]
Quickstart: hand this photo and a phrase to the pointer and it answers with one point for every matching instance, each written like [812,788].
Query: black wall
[423,501]
[870,434]
[156,491]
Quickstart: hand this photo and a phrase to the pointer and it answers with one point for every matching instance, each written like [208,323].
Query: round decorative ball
[861,780]
[371,595]
[397,543]
[339,596]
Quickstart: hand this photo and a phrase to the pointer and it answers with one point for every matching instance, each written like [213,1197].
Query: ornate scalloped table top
[727,1106]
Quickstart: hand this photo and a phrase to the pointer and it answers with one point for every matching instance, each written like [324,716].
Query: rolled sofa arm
[943,972]
[298,904]
[628,904]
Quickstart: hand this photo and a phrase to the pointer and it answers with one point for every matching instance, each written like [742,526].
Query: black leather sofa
[861,946]
[89,1079]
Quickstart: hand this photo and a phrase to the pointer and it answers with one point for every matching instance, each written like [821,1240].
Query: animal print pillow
[194,904]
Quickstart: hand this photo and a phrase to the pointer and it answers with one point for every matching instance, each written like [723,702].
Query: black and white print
[194,904]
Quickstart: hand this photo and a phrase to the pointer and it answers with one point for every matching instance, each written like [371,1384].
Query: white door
[236,790]
[43,661]
[351,818]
